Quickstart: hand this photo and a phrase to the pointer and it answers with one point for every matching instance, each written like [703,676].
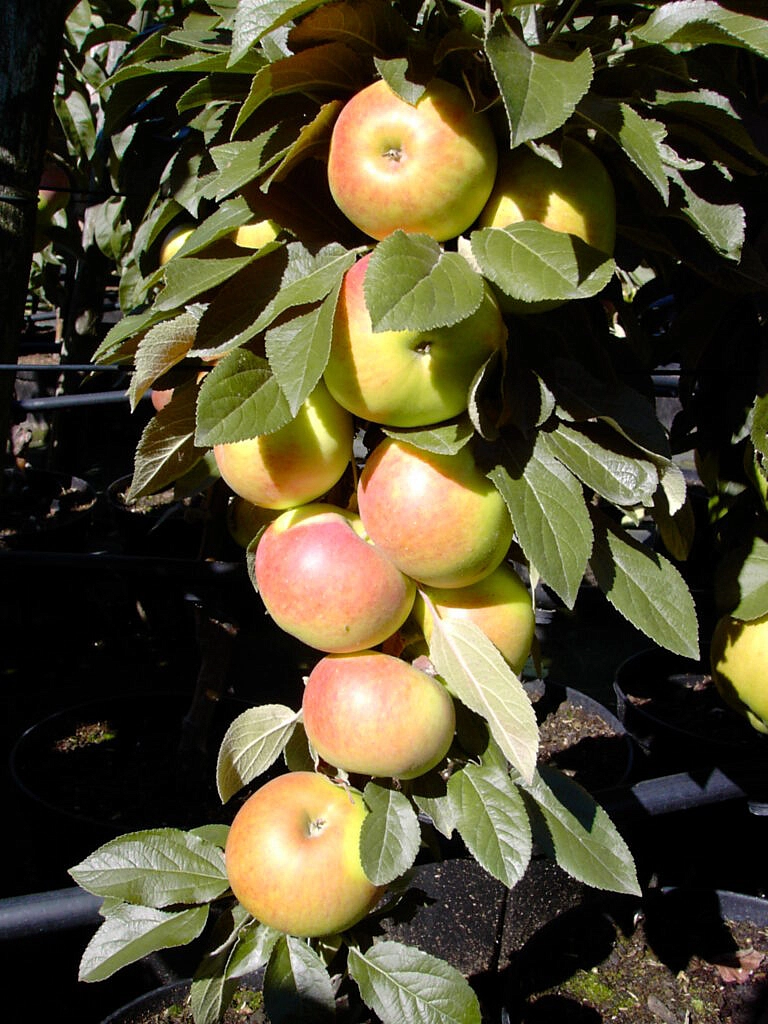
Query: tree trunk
[30,45]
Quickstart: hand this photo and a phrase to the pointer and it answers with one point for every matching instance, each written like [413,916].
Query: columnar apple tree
[432,371]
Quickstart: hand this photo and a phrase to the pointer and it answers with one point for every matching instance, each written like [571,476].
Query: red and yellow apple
[739,663]
[297,463]
[293,856]
[499,604]
[372,714]
[406,378]
[323,582]
[576,198]
[424,167]
[438,517]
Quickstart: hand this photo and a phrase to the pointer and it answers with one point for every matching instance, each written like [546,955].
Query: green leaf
[412,284]
[540,90]
[133,932]
[390,836]
[446,439]
[753,583]
[691,23]
[296,985]
[401,983]
[395,73]
[189,277]
[255,18]
[121,340]
[722,224]
[162,347]
[475,673]
[580,835]
[603,464]
[298,350]
[251,744]
[155,868]
[238,163]
[645,588]
[533,263]
[166,449]
[641,138]
[239,399]
[758,431]
[492,820]
[547,506]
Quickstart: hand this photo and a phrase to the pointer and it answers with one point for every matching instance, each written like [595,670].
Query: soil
[35,502]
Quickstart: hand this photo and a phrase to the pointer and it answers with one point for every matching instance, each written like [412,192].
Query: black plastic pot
[44,510]
[161,524]
[155,1005]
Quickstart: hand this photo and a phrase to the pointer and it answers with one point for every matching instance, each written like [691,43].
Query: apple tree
[652,117]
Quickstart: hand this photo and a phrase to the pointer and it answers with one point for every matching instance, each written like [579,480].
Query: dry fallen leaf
[741,964]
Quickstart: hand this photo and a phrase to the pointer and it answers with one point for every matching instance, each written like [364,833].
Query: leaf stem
[564,20]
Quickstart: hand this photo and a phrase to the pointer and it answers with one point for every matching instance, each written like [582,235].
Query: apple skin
[372,714]
[577,198]
[293,856]
[739,660]
[427,167]
[297,463]
[255,235]
[406,378]
[499,604]
[323,582]
[245,520]
[52,194]
[173,241]
[438,517]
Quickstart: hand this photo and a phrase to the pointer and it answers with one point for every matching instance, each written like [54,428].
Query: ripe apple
[424,167]
[372,714]
[297,463]
[577,198]
[173,241]
[406,378]
[253,236]
[438,517]
[499,604]
[323,582]
[293,856]
[738,657]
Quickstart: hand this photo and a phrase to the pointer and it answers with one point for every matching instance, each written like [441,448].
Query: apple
[499,604]
[53,193]
[173,241]
[293,856]
[577,198]
[739,660]
[373,714]
[297,463]
[323,582]
[245,520]
[438,517]
[406,378]
[423,167]
[256,234]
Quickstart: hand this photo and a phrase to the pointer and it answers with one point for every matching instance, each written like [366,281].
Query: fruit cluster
[423,534]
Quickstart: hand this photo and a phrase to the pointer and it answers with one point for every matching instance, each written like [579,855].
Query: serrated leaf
[540,90]
[395,73]
[475,673]
[298,350]
[533,263]
[251,744]
[753,583]
[492,820]
[412,284]
[122,339]
[239,399]
[239,163]
[641,138]
[166,449]
[390,836]
[189,277]
[603,465]
[296,985]
[722,224]
[155,868]
[402,983]
[580,835]
[446,439]
[255,18]
[646,588]
[133,932]
[549,512]
[161,348]
[690,23]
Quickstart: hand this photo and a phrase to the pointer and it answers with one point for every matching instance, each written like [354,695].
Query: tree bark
[30,45]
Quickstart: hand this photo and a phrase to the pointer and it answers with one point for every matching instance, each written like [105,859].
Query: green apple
[577,198]
[173,241]
[438,517]
[296,464]
[739,663]
[406,378]
[499,604]
[323,582]
[293,856]
[423,167]
[372,714]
